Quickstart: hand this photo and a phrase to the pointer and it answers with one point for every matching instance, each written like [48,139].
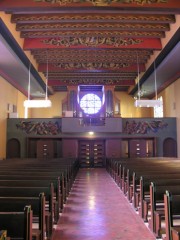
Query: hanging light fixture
[37,103]
[147,102]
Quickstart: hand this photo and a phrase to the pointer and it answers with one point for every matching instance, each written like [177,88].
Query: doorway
[169,147]
[138,147]
[13,148]
[91,153]
[44,148]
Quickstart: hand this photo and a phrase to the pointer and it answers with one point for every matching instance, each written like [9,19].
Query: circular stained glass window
[90,103]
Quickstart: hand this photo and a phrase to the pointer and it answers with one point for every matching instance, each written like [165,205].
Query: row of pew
[152,186]
[32,195]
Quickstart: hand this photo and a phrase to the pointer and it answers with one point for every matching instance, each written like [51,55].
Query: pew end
[22,223]
[175,231]
[172,215]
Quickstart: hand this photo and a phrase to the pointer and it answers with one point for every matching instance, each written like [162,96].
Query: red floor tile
[97,210]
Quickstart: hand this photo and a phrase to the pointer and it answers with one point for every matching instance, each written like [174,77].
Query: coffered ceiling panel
[95,42]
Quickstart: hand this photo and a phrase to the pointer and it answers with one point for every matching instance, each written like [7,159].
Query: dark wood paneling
[92,153]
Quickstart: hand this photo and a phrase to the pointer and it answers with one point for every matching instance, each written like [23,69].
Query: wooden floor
[97,210]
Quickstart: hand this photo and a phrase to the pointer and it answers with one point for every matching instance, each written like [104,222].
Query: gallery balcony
[97,124]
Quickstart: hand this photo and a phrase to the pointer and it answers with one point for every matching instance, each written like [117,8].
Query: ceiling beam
[100,42]
[10,5]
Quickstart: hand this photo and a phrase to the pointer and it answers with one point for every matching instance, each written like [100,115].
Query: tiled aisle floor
[97,210]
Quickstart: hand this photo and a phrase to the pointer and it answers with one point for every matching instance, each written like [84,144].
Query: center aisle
[97,210]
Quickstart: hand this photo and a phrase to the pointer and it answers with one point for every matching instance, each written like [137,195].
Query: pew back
[17,224]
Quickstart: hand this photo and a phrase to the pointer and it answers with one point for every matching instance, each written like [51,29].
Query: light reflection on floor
[97,210]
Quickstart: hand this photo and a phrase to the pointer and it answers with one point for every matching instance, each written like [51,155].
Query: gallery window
[158,111]
[90,103]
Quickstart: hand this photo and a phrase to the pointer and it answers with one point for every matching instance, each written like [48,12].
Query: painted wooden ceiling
[92,42]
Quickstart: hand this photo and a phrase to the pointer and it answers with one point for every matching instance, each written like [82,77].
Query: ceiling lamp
[37,103]
[147,102]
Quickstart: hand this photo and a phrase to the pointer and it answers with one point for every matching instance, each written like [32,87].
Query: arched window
[90,103]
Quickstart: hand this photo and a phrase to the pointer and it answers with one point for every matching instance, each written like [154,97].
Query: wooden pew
[172,214]
[113,167]
[131,179]
[48,192]
[62,186]
[144,194]
[62,178]
[16,204]
[58,181]
[140,185]
[131,173]
[32,173]
[30,192]
[17,224]
[136,178]
[157,191]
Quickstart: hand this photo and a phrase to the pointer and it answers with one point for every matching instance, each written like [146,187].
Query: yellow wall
[177,109]
[8,95]
[54,111]
[20,101]
[127,108]
[169,106]
[171,99]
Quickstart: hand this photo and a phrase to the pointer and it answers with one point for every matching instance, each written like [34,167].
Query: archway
[13,148]
[169,148]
